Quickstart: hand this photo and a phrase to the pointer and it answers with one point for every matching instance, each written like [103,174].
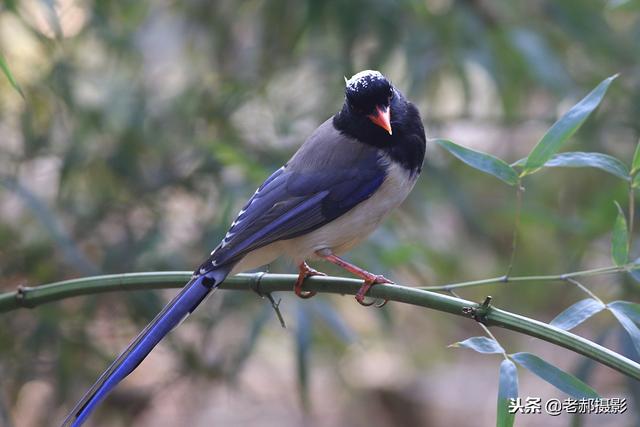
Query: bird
[343,181]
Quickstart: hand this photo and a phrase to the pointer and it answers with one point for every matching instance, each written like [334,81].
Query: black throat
[407,144]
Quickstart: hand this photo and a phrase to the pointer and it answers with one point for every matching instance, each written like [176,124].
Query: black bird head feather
[367,90]
[368,97]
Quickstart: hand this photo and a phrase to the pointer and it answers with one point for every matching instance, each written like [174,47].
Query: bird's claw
[368,283]
[305,271]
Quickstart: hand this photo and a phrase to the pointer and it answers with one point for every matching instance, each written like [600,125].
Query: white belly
[343,233]
[262,256]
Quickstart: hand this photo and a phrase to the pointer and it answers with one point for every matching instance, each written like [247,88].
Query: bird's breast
[349,229]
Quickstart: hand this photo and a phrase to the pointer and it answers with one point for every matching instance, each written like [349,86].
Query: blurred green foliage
[145,125]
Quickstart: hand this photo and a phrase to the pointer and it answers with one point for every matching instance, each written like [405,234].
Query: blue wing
[295,202]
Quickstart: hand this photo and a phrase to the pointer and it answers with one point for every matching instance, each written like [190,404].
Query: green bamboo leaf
[630,309]
[507,390]
[577,313]
[626,316]
[566,126]
[620,239]
[635,167]
[482,161]
[577,159]
[7,72]
[480,344]
[635,164]
[634,271]
[562,380]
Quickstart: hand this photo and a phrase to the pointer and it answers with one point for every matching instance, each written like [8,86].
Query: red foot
[368,283]
[305,271]
[370,279]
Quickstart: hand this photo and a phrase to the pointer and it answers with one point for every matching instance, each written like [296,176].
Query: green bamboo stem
[30,297]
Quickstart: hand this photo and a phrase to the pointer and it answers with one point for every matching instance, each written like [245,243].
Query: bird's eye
[390,92]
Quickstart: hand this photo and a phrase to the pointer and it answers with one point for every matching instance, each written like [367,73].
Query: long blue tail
[175,312]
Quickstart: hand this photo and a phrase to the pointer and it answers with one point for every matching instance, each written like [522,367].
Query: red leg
[305,271]
[370,279]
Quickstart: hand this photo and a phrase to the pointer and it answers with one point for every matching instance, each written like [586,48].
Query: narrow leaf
[507,390]
[564,381]
[482,161]
[7,72]
[626,318]
[634,273]
[480,344]
[635,165]
[630,309]
[577,313]
[566,126]
[577,159]
[620,239]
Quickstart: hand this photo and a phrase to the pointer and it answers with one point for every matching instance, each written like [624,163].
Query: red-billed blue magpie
[335,190]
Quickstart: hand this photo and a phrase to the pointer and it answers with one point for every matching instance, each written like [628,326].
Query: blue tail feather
[184,303]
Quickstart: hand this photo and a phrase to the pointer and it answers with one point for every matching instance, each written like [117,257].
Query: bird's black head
[369,94]
[377,114]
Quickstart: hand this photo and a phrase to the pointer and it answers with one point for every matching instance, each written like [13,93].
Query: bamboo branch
[30,297]
[539,278]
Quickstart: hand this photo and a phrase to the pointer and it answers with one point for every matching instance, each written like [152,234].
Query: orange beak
[382,118]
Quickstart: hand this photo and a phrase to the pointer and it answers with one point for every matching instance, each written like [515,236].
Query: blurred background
[145,126]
